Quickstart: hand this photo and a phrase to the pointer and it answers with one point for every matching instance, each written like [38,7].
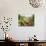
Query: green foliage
[25,21]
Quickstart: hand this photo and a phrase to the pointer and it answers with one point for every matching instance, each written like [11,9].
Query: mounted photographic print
[25,21]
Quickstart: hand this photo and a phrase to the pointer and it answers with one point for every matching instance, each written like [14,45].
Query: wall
[11,8]
[45,28]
